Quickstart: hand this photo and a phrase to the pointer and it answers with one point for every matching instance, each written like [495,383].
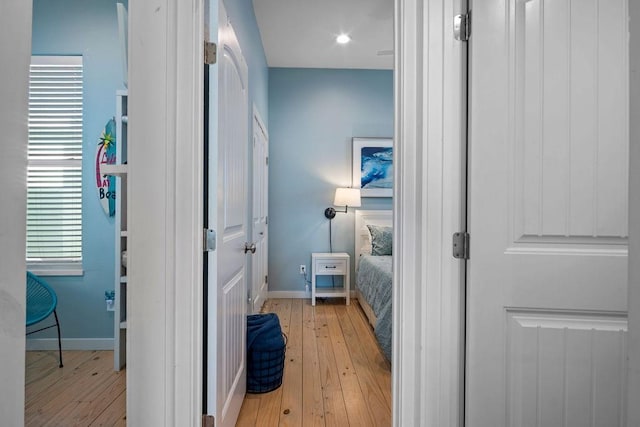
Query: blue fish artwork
[376,167]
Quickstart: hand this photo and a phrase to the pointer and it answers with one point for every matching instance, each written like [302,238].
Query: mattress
[374,280]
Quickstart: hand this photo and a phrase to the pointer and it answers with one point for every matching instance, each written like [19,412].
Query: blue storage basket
[266,347]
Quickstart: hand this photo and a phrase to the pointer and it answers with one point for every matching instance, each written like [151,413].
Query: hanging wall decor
[373,166]
[106,155]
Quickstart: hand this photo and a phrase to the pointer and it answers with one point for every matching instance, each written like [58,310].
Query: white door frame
[165,255]
[165,199]
[256,117]
[428,208]
[633,410]
[165,308]
[15,49]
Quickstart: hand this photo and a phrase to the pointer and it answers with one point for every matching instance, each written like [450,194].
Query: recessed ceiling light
[343,39]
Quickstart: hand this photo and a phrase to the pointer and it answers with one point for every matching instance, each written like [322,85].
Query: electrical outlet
[303,269]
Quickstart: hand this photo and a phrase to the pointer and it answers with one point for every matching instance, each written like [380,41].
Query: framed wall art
[373,166]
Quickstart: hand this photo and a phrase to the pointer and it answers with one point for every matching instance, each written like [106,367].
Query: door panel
[570,364]
[568,122]
[547,280]
[260,211]
[232,226]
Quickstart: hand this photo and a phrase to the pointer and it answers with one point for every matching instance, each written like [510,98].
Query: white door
[547,275]
[231,219]
[260,211]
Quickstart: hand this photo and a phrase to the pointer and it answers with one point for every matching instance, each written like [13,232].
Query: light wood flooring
[85,392]
[335,374]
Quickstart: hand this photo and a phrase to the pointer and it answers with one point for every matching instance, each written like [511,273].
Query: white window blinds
[54,173]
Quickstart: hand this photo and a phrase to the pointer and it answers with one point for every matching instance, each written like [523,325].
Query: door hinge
[249,299]
[266,279]
[266,220]
[462,27]
[209,240]
[267,160]
[210,53]
[208,421]
[461,245]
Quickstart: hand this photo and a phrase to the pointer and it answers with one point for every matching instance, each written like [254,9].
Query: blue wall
[87,28]
[313,114]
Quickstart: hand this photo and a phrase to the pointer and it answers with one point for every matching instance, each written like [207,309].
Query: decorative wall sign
[373,166]
[106,155]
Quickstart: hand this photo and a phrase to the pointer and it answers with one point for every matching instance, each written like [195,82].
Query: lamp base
[330,213]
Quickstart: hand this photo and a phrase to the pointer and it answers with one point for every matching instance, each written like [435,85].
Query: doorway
[312,158]
[72,206]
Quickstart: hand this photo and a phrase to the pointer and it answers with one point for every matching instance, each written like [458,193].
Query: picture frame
[373,166]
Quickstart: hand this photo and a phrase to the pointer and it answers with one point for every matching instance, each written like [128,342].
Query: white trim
[288,294]
[633,346]
[63,60]
[296,294]
[15,51]
[164,316]
[258,117]
[123,39]
[257,300]
[523,250]
[53,270]
[34,344]
[428,298]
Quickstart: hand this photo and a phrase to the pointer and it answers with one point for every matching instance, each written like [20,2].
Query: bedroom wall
[313,114]
[89,28]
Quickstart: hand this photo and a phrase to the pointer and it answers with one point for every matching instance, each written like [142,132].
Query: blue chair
[41,302]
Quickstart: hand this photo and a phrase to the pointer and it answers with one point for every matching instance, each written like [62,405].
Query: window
[54,172]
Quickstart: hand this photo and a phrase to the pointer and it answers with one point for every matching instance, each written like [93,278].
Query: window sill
[42,269]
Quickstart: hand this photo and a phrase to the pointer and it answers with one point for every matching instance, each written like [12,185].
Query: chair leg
[59,341]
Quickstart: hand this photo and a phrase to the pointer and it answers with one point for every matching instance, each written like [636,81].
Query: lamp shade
[347,197]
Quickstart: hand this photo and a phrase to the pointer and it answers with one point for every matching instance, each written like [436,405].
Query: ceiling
[302,33]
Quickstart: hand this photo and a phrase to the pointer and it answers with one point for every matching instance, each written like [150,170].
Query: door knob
[249,247]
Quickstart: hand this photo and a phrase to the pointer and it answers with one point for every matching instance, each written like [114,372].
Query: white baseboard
[289,294]
[70,344]
[295,294]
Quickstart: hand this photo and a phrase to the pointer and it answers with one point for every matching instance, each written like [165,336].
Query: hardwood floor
[86,392]
[335,374]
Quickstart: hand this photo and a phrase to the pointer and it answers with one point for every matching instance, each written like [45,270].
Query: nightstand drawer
[326,267]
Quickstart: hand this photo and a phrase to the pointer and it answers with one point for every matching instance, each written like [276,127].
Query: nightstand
[330,264]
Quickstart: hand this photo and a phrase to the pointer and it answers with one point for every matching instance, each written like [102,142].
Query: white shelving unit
[120,170]
[115,170]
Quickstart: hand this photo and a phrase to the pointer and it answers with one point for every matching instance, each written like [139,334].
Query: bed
[373,272]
